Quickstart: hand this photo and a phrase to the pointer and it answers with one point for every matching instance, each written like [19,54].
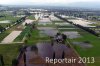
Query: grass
[31,17]
[61,30]
[89,52]
[95,41]
[69,26]
[48,25]
[7,32]
[4,24]
[9,17]
[57,21]
[3,35]
[35,37]
[9,52]
[23,33]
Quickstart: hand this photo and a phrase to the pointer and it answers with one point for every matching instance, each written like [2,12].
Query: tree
[14,62]
[24,59]
[25,41]
[1,61]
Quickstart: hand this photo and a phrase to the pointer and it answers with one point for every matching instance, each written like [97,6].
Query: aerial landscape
[50,33]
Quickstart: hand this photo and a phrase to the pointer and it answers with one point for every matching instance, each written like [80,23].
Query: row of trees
[82,27]
[2,29]
[22,50]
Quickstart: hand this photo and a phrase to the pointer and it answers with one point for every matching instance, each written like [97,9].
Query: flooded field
[82,22]
[28,21]
[6,21]
[72,34]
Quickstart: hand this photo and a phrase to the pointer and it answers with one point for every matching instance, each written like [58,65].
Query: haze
[16,2]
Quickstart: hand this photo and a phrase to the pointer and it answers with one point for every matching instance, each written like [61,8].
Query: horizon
[46,2]
[92,4]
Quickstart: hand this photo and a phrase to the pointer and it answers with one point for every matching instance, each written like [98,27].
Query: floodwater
[62,24]
[72,34]
[49,31]
[53,18]
[28,21]
[82,22]
[5,21]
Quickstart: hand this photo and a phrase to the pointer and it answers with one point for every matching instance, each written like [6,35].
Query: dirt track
[10,38]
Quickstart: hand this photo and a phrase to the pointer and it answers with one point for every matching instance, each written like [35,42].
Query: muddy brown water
[45,49]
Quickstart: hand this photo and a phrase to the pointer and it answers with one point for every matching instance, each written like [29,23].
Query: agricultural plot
[55,19]
[9,17]
[9,52]
[86,44]
[10,38]
[67,28]
[28,21]
[49,31]
[71,34]
[43,40]
[7,32]
[44,21]
[31,17]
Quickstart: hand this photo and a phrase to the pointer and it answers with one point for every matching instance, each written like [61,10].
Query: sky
[11,2]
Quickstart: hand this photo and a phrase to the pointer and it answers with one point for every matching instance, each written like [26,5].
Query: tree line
[79,26]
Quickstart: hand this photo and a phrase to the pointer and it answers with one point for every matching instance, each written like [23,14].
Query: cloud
[43,1]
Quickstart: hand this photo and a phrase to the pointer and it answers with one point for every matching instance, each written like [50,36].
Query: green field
[4,24]
[89,52]
[23,34]
[7,32]
[35,37]
[9,17]
[3,35]
[31,17]
[9,52]
[85,36]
